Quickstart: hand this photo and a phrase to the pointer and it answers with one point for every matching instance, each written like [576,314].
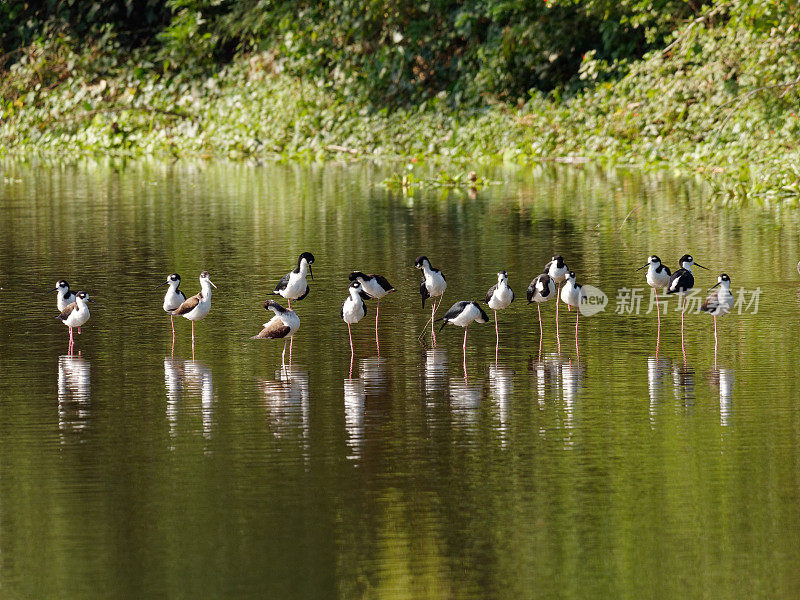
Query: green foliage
[720,97]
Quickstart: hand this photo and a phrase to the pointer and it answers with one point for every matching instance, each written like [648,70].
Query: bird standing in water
[375,286]
[718,303]
[541,289]
[499,297]
[433,286]
[294,285]
[283,326]
[75,315]
[172,300]
[681,282]
[658,276]
[572,295]
[557,269]
[462,314]
[198,306]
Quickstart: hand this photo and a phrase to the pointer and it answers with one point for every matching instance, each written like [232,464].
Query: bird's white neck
[302,268]
[354,294]
[687,266]
[205,289]
[81,302]
[426,269]
[502,282]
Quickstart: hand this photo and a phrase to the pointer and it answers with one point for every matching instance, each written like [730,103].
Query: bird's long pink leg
[577,320]
[192,340]
[289,300]
[283,359]
[79,329]
[377,340]
[558,336]
[433,325]
[172,321]
[539,310]
[683,309]
[715,341]
[658,312]
[71,342]
[464,347]
[349,333]
[291,347]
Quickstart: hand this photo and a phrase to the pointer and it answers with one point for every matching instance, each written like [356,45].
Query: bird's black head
[357,274]
[655,260]
[724,277]
[685,258]
[270,304]
[421,260]
[205,275]
[82,295]
[308,256]
[571,274]
[559,260]
[175,277]
[62,284]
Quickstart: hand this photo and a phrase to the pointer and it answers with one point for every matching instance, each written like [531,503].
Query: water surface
[129,470]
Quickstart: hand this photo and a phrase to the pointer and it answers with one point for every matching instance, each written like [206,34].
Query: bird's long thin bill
[50,291]
[643,267]
[310,272]
[701,266]
[715,285]
[161,285]
[212,283]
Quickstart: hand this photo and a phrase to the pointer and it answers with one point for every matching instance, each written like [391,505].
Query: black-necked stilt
[718,303]
[462,314]
[353,310]
[681,282]
[658,276]
[75,315]
[557,269]
[433,286]
[499,297]
[65,296]
[196,307]
[541,289]
[294,285]
[172,299]
[572,294]
[283,326]
[375,286]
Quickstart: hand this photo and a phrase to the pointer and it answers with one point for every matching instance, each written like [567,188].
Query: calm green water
[127,472]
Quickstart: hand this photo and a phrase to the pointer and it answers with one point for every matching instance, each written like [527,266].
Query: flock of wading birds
[294,286]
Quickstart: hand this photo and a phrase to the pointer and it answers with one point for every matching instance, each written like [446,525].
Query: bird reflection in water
[74,391]
[501,386]
[683,385]
[371,382]
[572,376]
[355,396]
[546,375]
[287,403]
[184,380]
[723,378]
[465,400]
[434,371]
[658,369]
